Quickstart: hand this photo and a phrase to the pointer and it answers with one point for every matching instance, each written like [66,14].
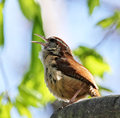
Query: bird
[67,80]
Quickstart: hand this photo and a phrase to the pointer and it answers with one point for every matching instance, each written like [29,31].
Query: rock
[101,107]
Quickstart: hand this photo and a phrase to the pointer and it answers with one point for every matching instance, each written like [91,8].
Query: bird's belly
[64,87]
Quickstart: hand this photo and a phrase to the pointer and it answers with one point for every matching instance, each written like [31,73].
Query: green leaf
[93,61]
[92,4]
[33,89]
[1,23]
[118,20]
[118,26]
[31,96]
[5,109]
[2,1]
[107,22]
[101,88]
[29,8]
[96,66]
[22,109]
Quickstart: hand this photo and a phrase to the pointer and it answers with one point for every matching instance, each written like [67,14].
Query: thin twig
[110,32]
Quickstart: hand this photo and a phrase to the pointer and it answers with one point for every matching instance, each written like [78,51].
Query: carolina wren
[66,79]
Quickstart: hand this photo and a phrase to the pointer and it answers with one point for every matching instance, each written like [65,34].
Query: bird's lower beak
[43,44]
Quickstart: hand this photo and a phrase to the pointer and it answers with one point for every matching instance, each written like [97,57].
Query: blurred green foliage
[92,60]
[112,20]
[92,4]
[101,88]
[30,8]
[1,22]
[22,107]
[5,106]
[32,89]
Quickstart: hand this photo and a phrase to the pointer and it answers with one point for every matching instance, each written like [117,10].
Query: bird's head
[54,46]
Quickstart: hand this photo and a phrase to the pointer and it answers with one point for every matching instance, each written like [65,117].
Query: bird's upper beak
[43,44]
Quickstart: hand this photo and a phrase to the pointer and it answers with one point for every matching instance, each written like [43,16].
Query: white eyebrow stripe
[61,42]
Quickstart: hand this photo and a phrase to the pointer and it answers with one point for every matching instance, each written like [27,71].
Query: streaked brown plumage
[66,79]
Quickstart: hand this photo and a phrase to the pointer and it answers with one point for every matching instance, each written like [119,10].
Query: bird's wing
[70,67]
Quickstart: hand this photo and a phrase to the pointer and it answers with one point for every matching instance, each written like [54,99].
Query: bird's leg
[72,100]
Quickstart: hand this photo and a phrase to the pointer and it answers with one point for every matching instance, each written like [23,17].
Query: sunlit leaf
[101,88]
[92,4]
[107,22]
[93,61]
[118,20]
[29,8]
[96,66]
[1,22]
[31,96]
[22,108]
[5,109]
[33,89]
[118,25]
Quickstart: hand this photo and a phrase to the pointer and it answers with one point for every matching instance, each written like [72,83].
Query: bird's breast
[62,86]
[54,81]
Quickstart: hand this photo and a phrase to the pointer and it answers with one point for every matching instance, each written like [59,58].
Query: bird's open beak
[44,44]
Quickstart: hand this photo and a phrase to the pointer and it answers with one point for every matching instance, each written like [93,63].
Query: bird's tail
[94,92]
